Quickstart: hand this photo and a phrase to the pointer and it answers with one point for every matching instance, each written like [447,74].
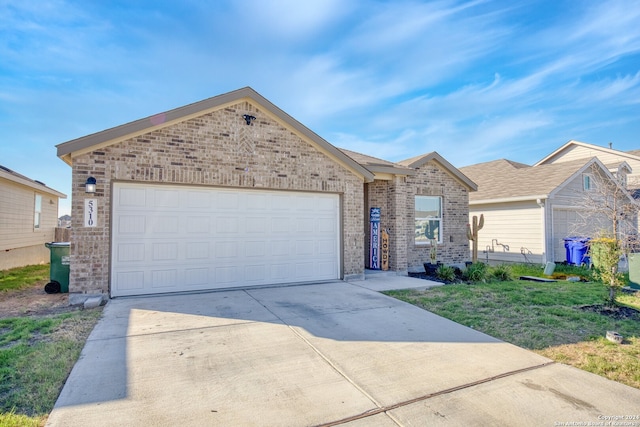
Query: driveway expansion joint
[385,409]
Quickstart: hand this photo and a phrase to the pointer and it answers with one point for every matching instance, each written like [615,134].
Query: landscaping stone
[614,337]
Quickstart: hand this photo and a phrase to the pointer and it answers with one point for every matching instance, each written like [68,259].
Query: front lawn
[546,318]
[38,346]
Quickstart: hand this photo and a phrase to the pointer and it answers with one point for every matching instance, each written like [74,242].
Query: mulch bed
[616,312]
[425,276]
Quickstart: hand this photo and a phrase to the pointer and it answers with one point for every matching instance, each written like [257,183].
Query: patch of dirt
[617,312]
[33,301]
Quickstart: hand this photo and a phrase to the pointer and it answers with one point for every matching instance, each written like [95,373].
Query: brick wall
[432,180]
[217,149]
[390,197]
[395,198]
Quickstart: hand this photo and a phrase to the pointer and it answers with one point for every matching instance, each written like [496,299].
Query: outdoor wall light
[90,185]
[248,118]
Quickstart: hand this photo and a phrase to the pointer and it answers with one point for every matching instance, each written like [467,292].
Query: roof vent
[40,182]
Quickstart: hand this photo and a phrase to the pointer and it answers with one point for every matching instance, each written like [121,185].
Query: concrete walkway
[327,354]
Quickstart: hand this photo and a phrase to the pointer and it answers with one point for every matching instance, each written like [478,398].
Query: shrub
[605,252]
[476,272]
[502,273]
[446,273]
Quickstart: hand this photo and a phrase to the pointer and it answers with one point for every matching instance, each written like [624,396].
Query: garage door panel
[255,225]
[280,248]
[166,198]
[130,281]
[171,239]
[130,252]
[196,276]
[305,225]
[198,224]
[327,248]
[132,197]
[255,249]
[164,279]
[197,199]
[256,202]
[197,250]
[131,224]
[280,225]
[226,275]
[304,248]
[166,224]
[227,224]
[327,225]
[227,201]
[279,271]
[165,251]
[256,273]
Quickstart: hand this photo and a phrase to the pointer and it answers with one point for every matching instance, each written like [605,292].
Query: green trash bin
[59,267]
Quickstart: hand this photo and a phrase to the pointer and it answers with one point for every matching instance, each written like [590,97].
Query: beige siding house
[625,164]
[530,210]
[28,218]
[233,192]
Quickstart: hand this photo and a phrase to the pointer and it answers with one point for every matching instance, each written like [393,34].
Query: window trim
[587,182]
[427,241]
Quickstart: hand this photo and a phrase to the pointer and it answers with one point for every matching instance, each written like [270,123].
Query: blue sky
[472,80]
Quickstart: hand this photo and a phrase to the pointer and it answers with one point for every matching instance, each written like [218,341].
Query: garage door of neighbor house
[564,225]
[173,238]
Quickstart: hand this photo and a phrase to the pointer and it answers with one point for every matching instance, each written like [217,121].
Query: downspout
[543,210]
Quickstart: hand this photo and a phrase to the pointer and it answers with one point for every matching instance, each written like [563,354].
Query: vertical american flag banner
[374,247]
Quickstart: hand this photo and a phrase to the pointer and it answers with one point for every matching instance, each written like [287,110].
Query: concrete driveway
[327,354]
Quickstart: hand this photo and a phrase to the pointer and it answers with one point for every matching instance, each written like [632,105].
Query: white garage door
[173,238]
[564,221]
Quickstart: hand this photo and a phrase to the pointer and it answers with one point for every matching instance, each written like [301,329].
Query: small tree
[607,210]
[605,253]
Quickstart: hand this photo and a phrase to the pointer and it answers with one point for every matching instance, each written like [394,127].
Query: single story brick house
[233,192]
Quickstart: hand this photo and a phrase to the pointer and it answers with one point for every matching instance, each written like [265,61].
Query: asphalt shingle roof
[505,179]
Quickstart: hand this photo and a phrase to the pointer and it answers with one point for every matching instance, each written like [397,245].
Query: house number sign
[90,212]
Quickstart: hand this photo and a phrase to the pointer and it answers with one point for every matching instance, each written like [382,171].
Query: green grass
[541,317]
[36,356]
[19,278]
[36,353]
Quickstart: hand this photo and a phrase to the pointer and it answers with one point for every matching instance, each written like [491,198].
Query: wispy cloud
[473,80]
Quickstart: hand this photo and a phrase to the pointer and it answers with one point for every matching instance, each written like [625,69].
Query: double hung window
[428,219]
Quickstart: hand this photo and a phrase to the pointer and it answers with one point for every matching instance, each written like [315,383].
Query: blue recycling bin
[576,249]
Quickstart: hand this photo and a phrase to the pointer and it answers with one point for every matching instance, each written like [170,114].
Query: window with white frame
[428,219]
[587,184]
[37,212]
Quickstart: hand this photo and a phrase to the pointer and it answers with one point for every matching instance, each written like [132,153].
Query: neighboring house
[64,221]
[530,210]
[233,192]
[28,218]
[623,164]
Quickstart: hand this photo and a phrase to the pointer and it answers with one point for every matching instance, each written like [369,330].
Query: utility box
[634,270]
